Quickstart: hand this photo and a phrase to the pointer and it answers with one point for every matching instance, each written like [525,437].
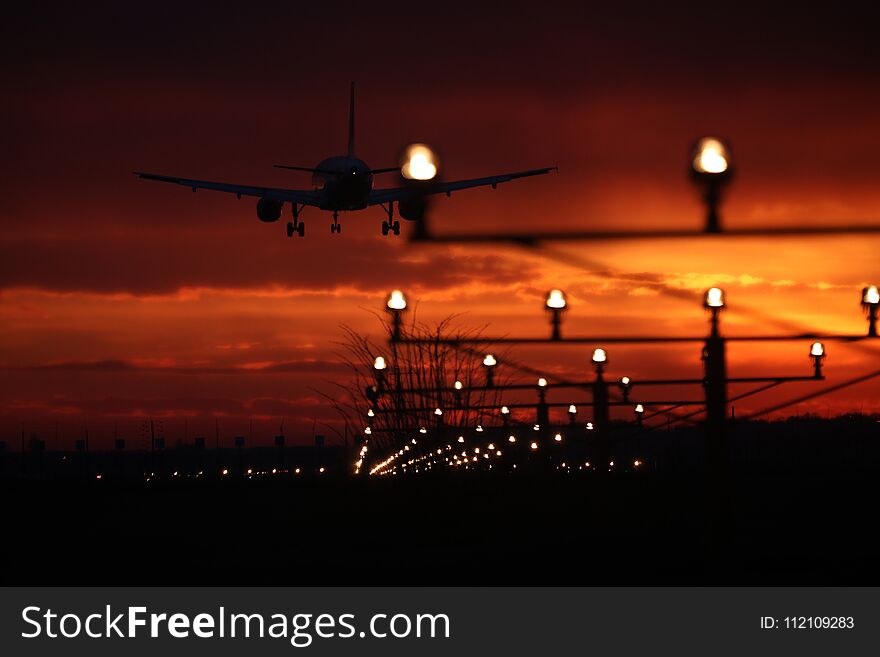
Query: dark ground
[632,528]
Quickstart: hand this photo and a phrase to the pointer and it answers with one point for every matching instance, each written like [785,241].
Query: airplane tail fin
[351,123]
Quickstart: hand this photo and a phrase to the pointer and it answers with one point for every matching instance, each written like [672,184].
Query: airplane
[341,183]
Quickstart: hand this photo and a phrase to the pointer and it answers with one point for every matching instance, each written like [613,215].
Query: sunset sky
[123,299]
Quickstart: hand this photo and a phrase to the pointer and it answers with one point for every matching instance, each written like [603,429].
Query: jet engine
[412,208]
[269,210]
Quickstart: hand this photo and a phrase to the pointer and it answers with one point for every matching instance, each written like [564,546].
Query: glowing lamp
[419,163]
[714,298]
[572,413]
[438,411]
[870,302]
[458,385]
[379,364]
[711,168]
[710,157]
[542,382]
[489,364]
[817,353]
[370,413]
[505,410]
[534,445]
[396,301]
[625,386]
[600,359]
[555,300]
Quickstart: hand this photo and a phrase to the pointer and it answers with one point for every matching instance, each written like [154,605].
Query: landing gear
[390,226]
[296,227]
[335,227]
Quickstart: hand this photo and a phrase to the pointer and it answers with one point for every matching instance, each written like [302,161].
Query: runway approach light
[419,163]
[379,364]
[489,364]
[870,302]
[711,169]
[710,157]
[555,300]
[817,353]
[714,298]
[555,305]
[396,300]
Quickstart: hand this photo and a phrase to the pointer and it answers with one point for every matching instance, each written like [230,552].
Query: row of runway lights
[556,303]
[454,458]
[250,473]
[714,301]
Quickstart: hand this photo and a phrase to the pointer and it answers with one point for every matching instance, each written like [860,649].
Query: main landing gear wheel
[298,228]
[391,227]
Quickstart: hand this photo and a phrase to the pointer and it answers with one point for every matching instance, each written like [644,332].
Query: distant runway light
[419,163]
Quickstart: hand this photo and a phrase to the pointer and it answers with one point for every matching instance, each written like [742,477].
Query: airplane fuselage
[345,183]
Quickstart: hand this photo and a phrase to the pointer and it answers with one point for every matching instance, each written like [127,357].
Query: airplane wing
[303,196]
[378,196]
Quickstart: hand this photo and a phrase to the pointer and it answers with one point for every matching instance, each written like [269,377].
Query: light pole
[419,166]
[639,410]
[870,302]
[489,364]
[555,304]
[817,353]
[711,170]
[600,390]
[625,387]
[395,304]
[542,416]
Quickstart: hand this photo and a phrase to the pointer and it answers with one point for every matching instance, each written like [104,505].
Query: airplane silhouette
[340,183]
